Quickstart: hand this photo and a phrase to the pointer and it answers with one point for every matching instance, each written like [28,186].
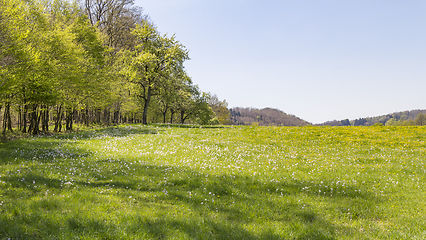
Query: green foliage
[409,122]
[156,60]
[53,57]
[392,122]
[214,121]
[193,105]
[254,124]
[420,119]
[220,108]
[404,118]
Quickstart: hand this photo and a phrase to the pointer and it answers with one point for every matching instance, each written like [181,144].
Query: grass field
[159,182]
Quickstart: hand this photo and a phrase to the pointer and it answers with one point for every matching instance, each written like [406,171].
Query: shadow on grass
[41,150]
[62,146]
[112,131]
[162,125]
[181,203]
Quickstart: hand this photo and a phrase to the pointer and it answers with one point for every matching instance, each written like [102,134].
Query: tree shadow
[162,125]
[111,131]
[40,149]
[63,146]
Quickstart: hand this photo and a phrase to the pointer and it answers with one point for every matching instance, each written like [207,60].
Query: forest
[93,62]
[404,118]
[264,117]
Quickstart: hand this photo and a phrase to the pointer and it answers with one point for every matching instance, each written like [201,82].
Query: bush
[214,121]
[254,124]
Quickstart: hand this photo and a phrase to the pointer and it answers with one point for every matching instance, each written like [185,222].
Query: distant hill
[369,121]
[264,117]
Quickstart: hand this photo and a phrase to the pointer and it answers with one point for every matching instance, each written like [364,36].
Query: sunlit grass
[161,182]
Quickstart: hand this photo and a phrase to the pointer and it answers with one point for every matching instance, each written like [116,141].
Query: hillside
[264,117]
[406,116]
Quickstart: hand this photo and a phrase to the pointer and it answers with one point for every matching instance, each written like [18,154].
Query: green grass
[170,182]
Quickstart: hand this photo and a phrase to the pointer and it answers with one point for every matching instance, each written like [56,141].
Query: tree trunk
[145,107]
[116,117]
[61,116]
[77,117]
[38,120]
[58,120]
[87,116]
[9,121]
[106,116]
[34,121]
[24,119]
[97,116]
[83,116]
[45,119]
[1,106]
[4,132]
[164,115]
[4,121]
[19,117]
[182,119]
[172,113]
[69,119]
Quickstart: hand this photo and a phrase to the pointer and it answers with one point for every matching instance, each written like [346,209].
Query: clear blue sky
[318,60]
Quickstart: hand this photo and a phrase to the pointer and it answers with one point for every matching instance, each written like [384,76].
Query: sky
[318,60]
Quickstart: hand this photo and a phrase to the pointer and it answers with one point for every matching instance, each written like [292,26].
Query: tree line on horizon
[93,62]
[276,117]
[404,118]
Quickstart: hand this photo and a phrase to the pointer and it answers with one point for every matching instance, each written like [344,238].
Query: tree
[392,122]
[115,19]
[220,108]
[408,122]
[346,122]
[360,122]
[169,96]
[420,119]
[193,104]
[156,59]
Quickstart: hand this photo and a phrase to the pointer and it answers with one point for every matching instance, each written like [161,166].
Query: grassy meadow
[162,182]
